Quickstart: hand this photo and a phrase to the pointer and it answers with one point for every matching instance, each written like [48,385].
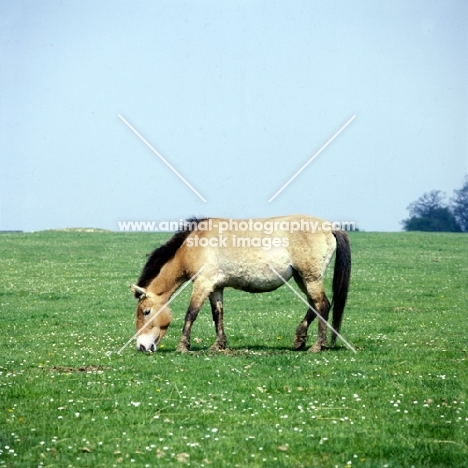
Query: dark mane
[160,256]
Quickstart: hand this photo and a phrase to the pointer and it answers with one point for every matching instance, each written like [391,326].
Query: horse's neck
[169,279]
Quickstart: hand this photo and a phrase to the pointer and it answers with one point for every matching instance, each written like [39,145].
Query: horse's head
[152,319]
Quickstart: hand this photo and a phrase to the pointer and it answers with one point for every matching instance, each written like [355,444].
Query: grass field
[400,401]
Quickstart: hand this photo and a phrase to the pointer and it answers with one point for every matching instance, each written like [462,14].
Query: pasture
[68,399]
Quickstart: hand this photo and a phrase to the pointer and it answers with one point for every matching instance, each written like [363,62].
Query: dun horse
[247,255]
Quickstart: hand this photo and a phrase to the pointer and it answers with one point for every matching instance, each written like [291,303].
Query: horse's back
[249,254]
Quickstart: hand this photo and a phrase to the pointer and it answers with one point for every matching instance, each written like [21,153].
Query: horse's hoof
[215,347]
[182,348]
[315,348]
[298,345]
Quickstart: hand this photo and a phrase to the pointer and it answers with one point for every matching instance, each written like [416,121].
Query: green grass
[401,401]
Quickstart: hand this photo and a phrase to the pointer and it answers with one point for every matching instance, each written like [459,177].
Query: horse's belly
[259,284]
[264,274]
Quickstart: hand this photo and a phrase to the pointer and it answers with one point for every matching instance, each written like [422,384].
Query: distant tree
[459,205]
[430,213]
[427,205]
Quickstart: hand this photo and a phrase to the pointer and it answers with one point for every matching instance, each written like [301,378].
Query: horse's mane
[160,256]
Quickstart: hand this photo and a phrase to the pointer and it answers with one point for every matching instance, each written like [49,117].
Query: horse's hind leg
[301,331]
[216,302]
[318,304]
[322,306]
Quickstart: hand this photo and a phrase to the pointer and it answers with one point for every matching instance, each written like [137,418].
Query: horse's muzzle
[151,348]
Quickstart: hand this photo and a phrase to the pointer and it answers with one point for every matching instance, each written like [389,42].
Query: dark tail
[341,277]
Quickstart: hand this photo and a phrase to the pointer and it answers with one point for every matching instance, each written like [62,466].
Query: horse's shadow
[239,350]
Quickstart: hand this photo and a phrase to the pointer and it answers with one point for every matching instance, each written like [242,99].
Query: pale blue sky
[237,96]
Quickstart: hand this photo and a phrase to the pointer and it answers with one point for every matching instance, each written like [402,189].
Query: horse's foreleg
[196,303]
[216,301]
[190,317]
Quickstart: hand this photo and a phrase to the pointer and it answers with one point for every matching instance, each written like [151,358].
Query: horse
[254,255]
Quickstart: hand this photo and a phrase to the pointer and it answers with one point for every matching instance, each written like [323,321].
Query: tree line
[431,212]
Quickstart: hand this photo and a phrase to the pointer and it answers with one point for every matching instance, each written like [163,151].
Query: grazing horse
[255,255]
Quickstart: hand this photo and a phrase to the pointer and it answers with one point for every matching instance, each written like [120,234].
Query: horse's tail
[341,277]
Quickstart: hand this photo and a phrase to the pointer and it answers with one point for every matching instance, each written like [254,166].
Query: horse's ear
[139,293]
